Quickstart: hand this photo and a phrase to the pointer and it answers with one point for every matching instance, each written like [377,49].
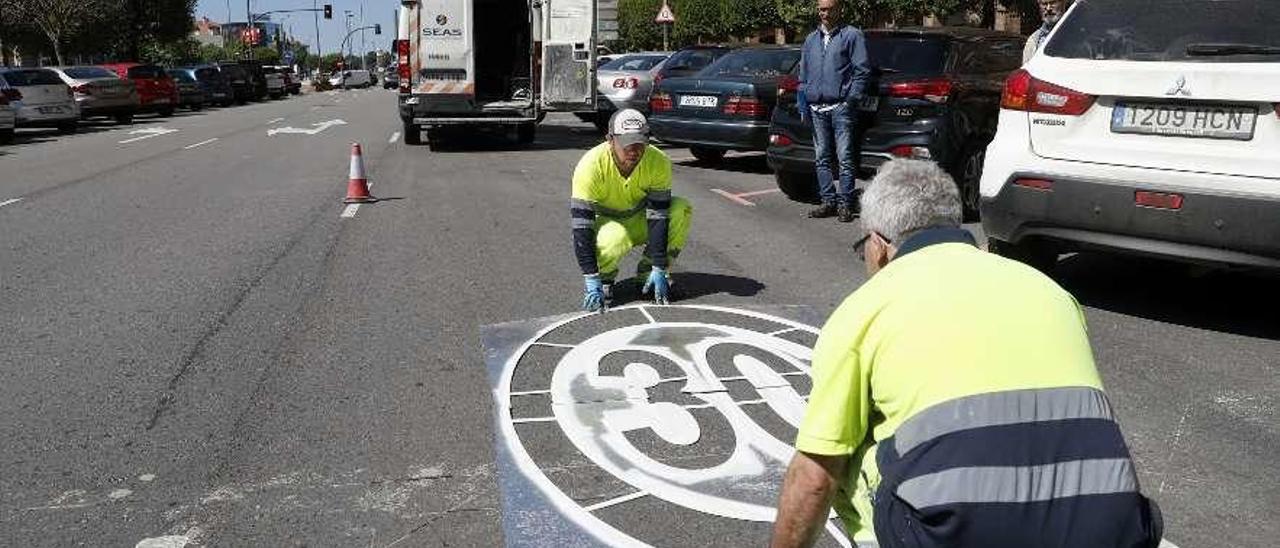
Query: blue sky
[302,24]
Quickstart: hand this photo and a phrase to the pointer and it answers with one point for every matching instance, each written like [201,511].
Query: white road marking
[533,419]
[759,193]
[1164,543]
[276,120]
[147,133]
[147,477]
[119,494]
[173,541]
[554,345]
[10,202]
[393,138]
[531,393]
[733,197]
[619,500]
[350,211]
[647,314]
[201,143]
[781,331]
[316,128]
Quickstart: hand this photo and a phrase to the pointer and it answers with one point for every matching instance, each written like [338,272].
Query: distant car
[40,98]
[157,92]
[189,93]
[216,88]
[354,78]
[724,107]
[8,120]
[241,81]
[1154,136]
[391,80]
[292,82]
[258,78]
[101,92]
[934,93]
[277,85]
[689,61]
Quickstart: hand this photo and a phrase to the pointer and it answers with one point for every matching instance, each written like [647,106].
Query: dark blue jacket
[837,73]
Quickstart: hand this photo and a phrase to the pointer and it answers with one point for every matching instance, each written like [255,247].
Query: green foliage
[171,54]
[329,62]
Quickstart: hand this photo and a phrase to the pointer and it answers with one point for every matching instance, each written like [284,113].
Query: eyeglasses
[860,246]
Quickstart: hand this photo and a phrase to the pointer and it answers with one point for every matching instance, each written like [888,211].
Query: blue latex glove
[659,284]
[593,294]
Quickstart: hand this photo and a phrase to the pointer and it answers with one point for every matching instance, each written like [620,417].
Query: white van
[525,58]
[356,78]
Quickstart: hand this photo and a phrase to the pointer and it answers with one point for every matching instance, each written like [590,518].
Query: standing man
[1050,12]
[955,400]
[833,73]
[622,199]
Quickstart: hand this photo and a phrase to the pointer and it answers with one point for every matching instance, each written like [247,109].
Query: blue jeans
[835,129]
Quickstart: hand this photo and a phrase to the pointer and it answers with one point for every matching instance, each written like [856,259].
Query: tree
[636,29]
[56,19]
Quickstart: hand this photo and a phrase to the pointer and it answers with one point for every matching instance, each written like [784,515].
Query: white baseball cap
[629,127]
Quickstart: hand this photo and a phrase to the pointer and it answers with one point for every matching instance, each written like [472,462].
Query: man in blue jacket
[833,75]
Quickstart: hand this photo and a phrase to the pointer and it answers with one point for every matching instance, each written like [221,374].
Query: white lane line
[554,345]
[201,143]
[148,133]
[733,197]
[759,193]
[619,500]
[350,211]
[533,419]
[647,315]
[530,393]
[10,202]
[393,138]
[276,120]
[1164,543]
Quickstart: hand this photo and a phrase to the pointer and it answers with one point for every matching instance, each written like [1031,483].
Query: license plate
[219,95]
[50,110]
[161,101]
[869,103]
[704,101]
[1204,121]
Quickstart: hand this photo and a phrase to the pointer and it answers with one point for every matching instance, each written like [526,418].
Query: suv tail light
[788,83]
[1026,93]
[909,151]
[777,139]
[738,105]
[934,90]
[661,102]
[82,89]
[12,94]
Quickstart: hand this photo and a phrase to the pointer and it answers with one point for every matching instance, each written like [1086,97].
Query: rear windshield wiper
[1222,50]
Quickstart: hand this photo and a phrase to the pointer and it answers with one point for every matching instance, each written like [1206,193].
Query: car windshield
[31,77]
[634,63]
[89,72]
[1214,31]
[207,74]
[754,63]
[906,54]
[693,59]
[146,71]
[181,76]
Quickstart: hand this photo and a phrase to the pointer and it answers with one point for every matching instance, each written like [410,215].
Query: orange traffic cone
[358,185]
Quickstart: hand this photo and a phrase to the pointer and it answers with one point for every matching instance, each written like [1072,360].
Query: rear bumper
[90,111]
[750,135]
[458,109]
[799,158]
[1217,229]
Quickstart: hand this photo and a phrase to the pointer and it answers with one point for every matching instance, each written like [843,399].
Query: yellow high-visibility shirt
[596,179]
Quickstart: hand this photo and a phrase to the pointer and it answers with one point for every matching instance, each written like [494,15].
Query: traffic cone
[358,185]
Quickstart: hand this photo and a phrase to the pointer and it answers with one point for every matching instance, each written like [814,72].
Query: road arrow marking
[10,202]
[316,128]
[147,133]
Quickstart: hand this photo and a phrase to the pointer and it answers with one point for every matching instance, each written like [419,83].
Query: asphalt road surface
[197,347]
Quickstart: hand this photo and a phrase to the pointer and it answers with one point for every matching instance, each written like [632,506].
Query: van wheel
[526,133]
[67,128]
[412,135]
[709,156]
[1038,254]
[968,176]
[797,186]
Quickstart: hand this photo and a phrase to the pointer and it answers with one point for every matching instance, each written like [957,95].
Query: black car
[689,61]
[190,94]
[241,82]
[726,106]
[258,76]
[934,94]
[216,88]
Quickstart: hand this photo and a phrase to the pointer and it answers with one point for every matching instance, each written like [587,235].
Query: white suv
[1143,126]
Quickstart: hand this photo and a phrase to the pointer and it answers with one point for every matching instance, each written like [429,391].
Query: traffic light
[328,11]
[377,29]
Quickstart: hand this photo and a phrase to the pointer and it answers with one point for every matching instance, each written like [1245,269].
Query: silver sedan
[100,92]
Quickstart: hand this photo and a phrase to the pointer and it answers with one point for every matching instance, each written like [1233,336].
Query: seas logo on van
[440,31]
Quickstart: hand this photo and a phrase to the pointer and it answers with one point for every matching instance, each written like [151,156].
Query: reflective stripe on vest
[1020,484]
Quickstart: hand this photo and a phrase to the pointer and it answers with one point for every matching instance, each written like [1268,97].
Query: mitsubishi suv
[1143,127]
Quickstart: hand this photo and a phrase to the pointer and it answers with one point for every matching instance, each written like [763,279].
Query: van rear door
[569,55]
[445,58]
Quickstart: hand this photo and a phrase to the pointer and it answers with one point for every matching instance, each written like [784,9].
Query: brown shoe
[824,212]
[846,214]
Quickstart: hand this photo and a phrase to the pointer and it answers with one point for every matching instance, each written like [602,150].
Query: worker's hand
[593,293]
[659,285]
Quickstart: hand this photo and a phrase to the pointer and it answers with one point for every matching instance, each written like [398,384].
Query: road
[197,345]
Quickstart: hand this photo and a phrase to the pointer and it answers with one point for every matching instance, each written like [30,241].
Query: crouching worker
[621,200]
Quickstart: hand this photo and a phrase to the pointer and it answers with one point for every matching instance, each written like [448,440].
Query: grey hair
[907,196]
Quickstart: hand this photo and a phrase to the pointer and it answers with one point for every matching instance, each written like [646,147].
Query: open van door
[569,55]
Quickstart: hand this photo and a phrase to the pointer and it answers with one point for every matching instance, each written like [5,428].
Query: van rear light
[780,140]
[626,83]
[661,102]
[1034,184]
[934,90]
[908,151]
[738,105]
[1024,92]
[1158,200]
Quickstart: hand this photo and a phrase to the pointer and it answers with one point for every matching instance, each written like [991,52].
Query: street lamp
[347,53]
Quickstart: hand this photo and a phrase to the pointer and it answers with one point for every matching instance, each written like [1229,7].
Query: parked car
[242,85]
[934,93]
[689,61]
[257,78]
[354,78]
[724,107]
[189,93]
[277,86]
[100,92]
[40,98]
[8,120]
[157,92]
[215,86]
[627,81]
[1143,135]
[391,79]
[292,81]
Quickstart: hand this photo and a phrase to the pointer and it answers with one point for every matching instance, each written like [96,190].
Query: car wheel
[124,119]
[166,113]
[797,186]
[968,176]
[6,136]
[412,135]
[68,128]
[709,156]
[1038,254]
[526,133]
